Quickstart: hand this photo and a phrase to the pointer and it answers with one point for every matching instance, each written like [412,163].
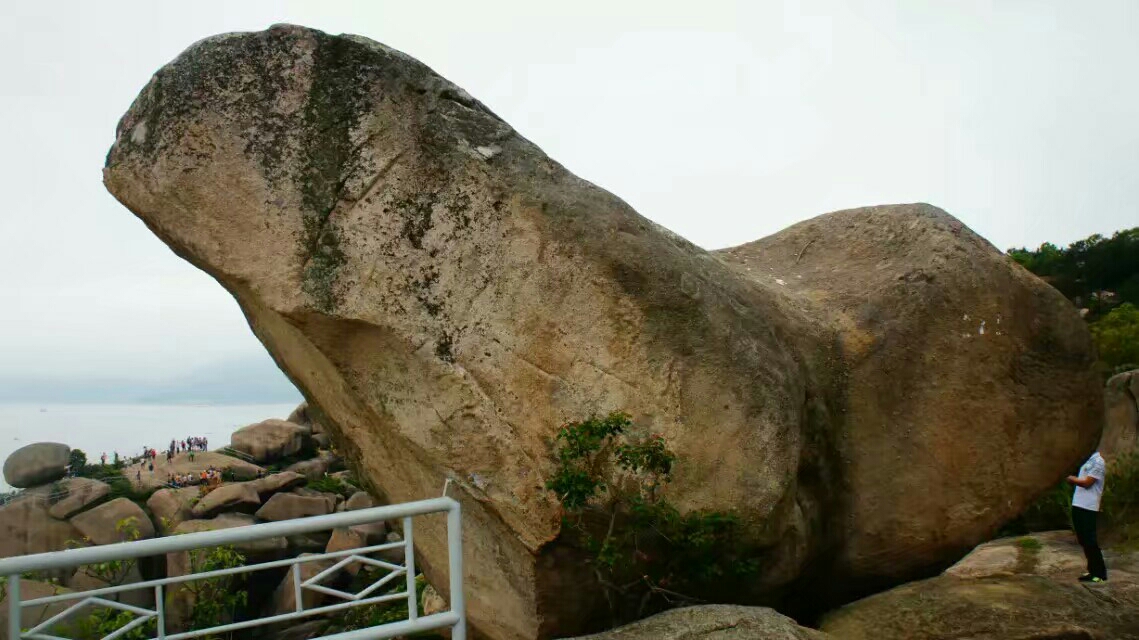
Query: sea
[126,428]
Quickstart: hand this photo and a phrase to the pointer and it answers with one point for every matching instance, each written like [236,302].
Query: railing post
[298,595]
[455,552]
[409,563]
[160,608]
[14,608]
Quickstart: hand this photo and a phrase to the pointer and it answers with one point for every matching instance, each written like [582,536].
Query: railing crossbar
[190,577]
[218,538]
[284,617]
[12,568]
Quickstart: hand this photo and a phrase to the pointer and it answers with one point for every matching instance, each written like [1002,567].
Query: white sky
[722,121]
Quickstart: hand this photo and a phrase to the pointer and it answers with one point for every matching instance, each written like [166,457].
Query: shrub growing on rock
[644,552]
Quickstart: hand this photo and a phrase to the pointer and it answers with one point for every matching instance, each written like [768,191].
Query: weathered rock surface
[81,494]
[286,506]
[430,602]
[1022,587]
[36,464]
[231,496]
[343,539]
[270,440]
[333,499]
[956,359]
[254,551]
[316,468]
[285,597]
[359,500]
[31,590]
[712,622]
[1121,415]
[26,527]
[447,295]
[114,521]
[300,415]
[276,482]
[172,507]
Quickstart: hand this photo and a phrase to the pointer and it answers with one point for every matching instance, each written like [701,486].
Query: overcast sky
[722,121]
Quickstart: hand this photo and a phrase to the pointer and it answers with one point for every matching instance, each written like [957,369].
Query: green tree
[1085,269]
[77,460]
[1116,337]
[645,554]
[216,600]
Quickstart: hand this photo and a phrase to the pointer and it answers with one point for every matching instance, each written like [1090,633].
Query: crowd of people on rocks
[145,462]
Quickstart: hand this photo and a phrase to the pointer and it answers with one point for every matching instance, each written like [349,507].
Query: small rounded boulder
[36,464]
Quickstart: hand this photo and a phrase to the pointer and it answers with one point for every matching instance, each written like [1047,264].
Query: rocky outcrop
[285,598]
[34,615]
[233,496]
[447,295]
[430,602]
[254,551]
[172,507]
[276,482]
[119,520]
[712,622]
[1121,415]
[26,527]
[79,494]
[36,464]
[286,506]
[359,500]
[270,440]
[1022,587]
[182,464]
[180,600]
[316,468]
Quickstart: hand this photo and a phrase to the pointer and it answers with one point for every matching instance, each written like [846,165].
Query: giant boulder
[36,464]
[874,391]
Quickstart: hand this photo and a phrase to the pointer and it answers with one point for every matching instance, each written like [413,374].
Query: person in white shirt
[1085,509]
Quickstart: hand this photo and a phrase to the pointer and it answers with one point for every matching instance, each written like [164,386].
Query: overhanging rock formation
[446,296]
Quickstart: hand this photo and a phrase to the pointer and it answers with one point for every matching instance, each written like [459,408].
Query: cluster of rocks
[55,513]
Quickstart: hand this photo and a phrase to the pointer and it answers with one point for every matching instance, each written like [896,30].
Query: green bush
[1116,337]
[645,554]
[77,460]
[216,600]
[328,484]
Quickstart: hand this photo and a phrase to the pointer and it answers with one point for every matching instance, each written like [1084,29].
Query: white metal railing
[455,617]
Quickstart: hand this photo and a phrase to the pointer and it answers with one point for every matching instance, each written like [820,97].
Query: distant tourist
[103,458]
[1085,510]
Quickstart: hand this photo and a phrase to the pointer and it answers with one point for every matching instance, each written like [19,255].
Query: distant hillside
[245,381]
[1101,277]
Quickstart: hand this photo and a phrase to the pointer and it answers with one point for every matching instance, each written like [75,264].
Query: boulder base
[713,622]
[1023,587]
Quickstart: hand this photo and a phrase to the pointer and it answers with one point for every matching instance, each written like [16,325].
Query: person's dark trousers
[1084,522]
